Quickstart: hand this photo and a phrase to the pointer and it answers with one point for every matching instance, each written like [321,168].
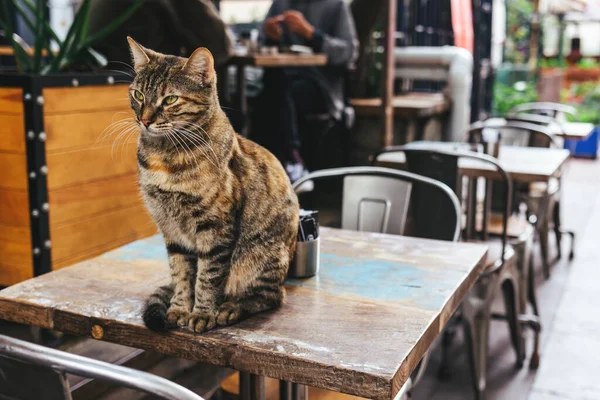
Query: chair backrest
[554,110]
[20,359]
[513,133]
[377,199]
[434,162]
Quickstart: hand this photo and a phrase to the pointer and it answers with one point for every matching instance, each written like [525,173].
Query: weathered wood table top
[280,60]
[360,327]
[524,164]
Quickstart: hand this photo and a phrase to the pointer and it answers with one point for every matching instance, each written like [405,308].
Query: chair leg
[509,292]
[532,297]
[447,339]
[476,327]
[557,230]
[572,235]
[533,322]
[543,238]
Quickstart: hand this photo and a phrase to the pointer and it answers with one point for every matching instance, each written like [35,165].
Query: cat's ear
[201,64]
[139,54]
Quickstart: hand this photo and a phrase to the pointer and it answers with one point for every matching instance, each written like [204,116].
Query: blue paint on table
[362,278]
[152,248]
[338,275]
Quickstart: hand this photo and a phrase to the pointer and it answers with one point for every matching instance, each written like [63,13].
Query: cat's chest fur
[178,207]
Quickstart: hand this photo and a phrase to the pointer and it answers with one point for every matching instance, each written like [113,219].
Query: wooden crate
[87,201]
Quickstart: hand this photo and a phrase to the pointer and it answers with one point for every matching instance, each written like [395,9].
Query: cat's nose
[146,122]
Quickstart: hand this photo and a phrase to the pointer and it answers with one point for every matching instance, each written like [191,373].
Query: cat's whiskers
[121,136]
[200,143]
[190,153]
[127,142]
[122,72]
[113,128]
[197,135]
[169,136]
[125,64]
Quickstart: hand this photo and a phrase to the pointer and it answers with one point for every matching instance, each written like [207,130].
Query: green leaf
[40,40]
[108,29]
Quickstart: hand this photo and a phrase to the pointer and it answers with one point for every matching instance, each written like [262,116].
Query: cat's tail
[155,311]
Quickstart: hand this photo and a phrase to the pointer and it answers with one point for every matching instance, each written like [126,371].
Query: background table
[360,327]
[266,61]
[524,164]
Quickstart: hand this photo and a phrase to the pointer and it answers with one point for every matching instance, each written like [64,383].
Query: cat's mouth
[154,130]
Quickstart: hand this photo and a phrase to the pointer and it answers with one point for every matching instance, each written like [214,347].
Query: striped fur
[224,204]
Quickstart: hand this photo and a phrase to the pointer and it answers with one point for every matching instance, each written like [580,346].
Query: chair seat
[517,227]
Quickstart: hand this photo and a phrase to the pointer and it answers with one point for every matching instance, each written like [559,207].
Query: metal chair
[501,273]
[32,372]
[378,200]
[554,110]
[543,200]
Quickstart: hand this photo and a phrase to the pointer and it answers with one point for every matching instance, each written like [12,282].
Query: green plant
[585,98]
[587,63]
[552,63]
[508,96]
[74,51]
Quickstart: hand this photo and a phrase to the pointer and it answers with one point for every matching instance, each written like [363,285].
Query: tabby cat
[223,204]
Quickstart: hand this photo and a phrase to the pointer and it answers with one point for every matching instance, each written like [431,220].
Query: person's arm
[202,26]
[270,40]
[340,44]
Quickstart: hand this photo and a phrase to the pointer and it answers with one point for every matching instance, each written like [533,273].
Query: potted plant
[64,197]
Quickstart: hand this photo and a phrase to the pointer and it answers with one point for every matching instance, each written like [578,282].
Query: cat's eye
[170,100]
[138,95]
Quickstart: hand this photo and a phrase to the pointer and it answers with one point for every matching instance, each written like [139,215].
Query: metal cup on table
[306,259]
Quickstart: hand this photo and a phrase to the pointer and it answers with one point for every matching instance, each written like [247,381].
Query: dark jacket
[334,35]
[175,27]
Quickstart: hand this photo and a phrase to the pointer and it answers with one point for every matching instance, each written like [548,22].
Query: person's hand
[273,27]
[296,22]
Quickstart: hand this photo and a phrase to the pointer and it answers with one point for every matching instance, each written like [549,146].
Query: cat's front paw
[201,322]
[177,317]
[229,313]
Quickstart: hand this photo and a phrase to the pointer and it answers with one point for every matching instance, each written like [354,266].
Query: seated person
[289,93]
[175,27]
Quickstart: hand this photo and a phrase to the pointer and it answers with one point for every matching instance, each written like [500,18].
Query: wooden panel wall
[95,204]
[16,262]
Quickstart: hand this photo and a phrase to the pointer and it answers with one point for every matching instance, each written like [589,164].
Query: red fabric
[462,23]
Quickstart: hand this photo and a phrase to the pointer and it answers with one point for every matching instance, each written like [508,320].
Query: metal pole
[388,74]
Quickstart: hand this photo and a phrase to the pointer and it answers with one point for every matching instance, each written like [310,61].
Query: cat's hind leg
[255,283]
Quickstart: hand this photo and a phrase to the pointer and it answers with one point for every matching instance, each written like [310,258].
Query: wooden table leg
[252,387]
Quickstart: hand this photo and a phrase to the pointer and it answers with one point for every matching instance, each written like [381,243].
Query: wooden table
[267,61]
[408,105]
[360,327]
[524,164]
